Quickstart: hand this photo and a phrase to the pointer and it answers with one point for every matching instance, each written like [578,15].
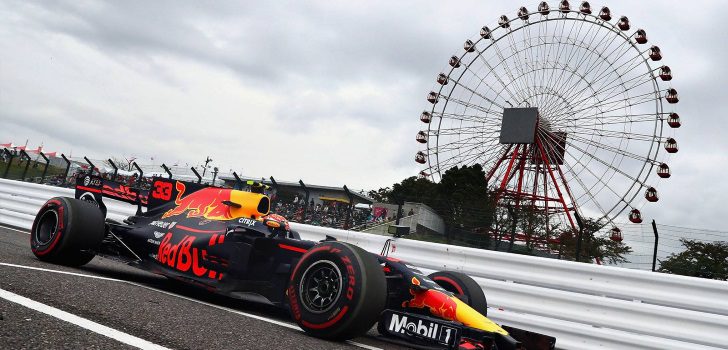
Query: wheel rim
[47,227]
[320,286]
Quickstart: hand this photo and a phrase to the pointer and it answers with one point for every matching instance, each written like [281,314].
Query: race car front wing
[429,333]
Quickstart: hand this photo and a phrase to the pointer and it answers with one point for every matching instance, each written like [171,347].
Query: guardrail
[584,306]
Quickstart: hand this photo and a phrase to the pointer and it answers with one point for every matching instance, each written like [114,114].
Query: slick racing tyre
[337,291]
[65,229]
[464,288]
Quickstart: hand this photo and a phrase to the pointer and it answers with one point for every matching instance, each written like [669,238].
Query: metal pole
[116,169]
[10,161]
[305,206]
[45,168]
[347,222]
[199,178]
[513,212]
[275,188]
[68,168]
[27,164]
[204,170]
[139,188]
[91,170]
[214,175]
[654,252]
[141,173]
[166,170]
[238,182]
[581,231]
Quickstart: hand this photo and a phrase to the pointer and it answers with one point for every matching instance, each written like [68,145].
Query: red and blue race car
[227,242]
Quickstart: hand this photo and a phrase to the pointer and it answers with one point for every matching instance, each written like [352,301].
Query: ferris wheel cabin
[615,234]
[585,8]
[605,14]
[640,36]
[673,120]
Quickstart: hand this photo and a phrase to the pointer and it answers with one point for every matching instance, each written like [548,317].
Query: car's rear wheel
[464,287]
[337,291]
[66,230]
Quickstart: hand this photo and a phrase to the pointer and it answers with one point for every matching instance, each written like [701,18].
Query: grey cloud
[308,57]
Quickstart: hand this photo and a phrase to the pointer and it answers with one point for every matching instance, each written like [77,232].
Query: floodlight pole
[207,161]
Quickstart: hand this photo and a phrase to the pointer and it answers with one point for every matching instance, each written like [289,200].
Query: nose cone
[447,306]
[471,318]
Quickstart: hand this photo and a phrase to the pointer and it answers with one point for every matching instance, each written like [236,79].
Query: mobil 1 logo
[403,325]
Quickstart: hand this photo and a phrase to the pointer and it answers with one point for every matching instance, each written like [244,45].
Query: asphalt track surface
[108,305]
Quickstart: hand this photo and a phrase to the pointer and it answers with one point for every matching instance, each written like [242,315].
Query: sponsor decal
[88,197]
[439,303]
[240,229]
[295,308]
[92,181]
[121,192]
[405,325]
[163,224]
[158,234]
[206,203]
[350,271]
[246,221]
[153,242]
[183,257]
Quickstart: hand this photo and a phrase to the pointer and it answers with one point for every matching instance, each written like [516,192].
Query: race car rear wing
[93,188]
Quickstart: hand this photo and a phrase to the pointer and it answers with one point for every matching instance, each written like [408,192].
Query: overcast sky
[325,91]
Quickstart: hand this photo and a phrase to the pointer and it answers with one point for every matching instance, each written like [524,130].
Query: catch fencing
[584,306]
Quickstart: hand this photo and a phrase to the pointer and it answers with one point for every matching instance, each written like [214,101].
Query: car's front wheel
[66,230]
[337,291]
[464,287]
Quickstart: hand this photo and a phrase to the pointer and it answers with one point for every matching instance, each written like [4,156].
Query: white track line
[257,317]
[81,322]
[15,229]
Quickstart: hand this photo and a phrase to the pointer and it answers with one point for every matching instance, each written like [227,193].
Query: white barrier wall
[584,306]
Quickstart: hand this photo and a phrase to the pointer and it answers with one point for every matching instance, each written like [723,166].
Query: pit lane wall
[584,306]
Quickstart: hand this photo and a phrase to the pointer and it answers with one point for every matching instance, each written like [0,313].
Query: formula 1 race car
[227,242]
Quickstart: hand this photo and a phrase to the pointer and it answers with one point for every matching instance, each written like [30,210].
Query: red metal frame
[517,166]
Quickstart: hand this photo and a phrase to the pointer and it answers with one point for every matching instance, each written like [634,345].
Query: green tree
[462,197]
[699,259]
[381,195]
[602,247]
[414,189]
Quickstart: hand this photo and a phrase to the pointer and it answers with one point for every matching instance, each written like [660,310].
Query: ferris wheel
[567,110]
